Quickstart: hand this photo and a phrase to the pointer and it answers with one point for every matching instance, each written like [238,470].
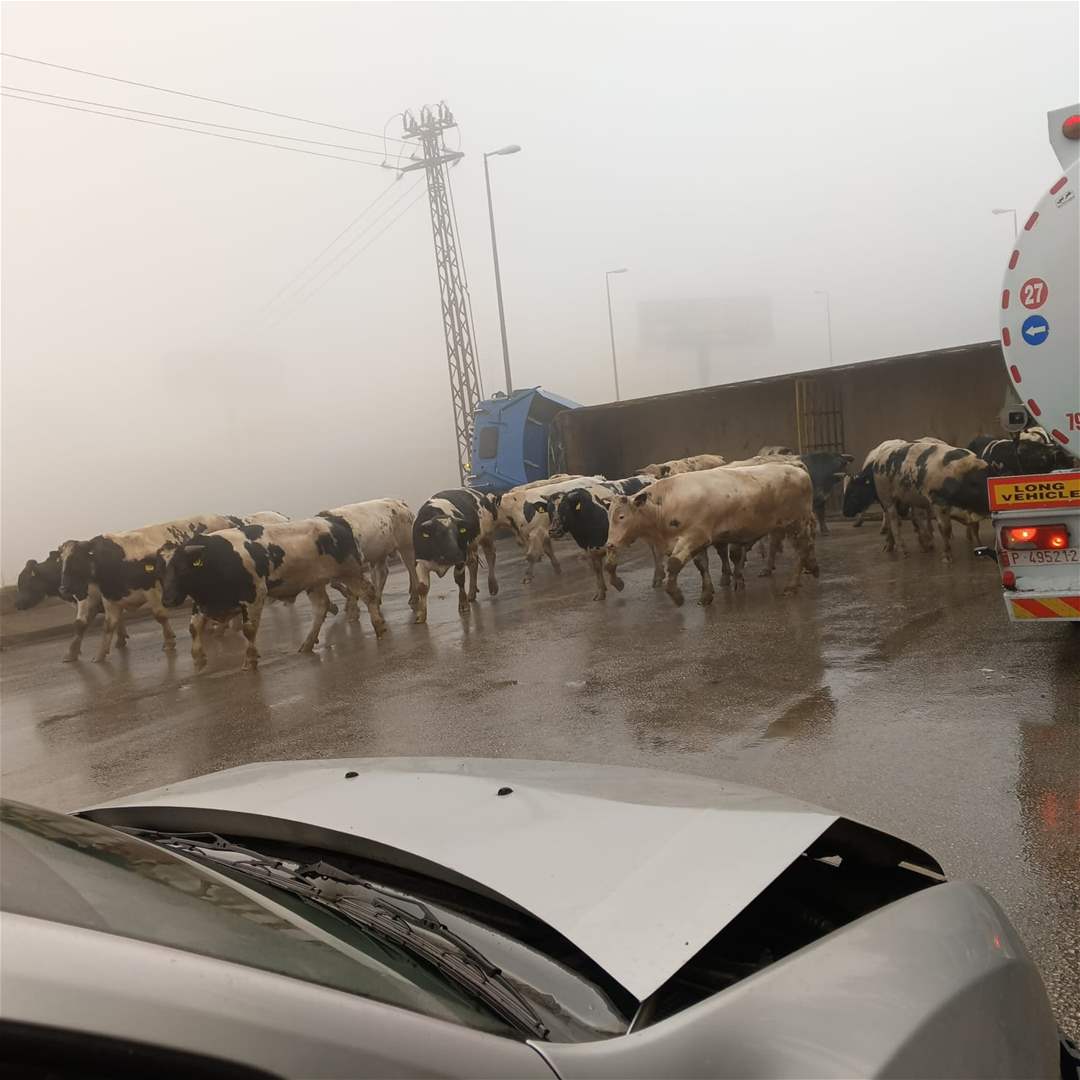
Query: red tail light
[1042,537]
[1008,579]
[1071,127]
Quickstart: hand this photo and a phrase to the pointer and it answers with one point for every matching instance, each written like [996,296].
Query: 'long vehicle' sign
[1059,491]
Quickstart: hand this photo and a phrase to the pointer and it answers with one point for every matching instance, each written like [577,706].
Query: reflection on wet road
[892,690]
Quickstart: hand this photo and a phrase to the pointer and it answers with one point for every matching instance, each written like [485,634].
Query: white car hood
[638,868]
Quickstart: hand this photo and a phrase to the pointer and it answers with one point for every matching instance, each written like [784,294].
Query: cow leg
[597,561]
[361,585]
[195,628]
[802,537]
[121,633]
[320,602]
[738,561]
[352,604]
[489,557]
[859,518]
[973,532]
[112,619]
[894,537]
[681,552]
[472,563]
[923,523]
[819,514]
[610,563]
[708,592]
[85,613]
[658,566]
[459,578]
[944,523]
[408,557]
[423,587]
[252,616]
[549,551]
[380,571]
[776,540]
[725,565]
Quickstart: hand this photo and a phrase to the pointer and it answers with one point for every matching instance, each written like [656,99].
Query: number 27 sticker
[1033,293]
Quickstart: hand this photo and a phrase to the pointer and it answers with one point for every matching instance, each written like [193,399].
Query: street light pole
[828,320]
[512,149]
[1008,210]
[611,326]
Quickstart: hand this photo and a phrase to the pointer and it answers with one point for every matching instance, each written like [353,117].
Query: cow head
[77,568]
[626,518]
[860,493]
[581,515]
[38,580]
[178,569]
[442,539]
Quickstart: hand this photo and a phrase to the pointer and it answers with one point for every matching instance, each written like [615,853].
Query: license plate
[1043,558]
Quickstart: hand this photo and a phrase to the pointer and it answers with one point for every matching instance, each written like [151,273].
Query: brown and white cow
[693,463]
[927,477]
[689,512]
[383,528]
[236,571]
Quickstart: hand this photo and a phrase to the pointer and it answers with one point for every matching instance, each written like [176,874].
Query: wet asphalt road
[893,691]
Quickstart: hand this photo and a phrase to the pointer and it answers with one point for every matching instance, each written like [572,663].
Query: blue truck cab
[511,442]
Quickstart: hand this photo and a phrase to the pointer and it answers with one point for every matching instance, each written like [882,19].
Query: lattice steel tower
[466,391]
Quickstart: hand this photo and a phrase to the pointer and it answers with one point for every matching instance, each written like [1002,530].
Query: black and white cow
[934,480]
[450,530]
[236,571]
[124,568]
[1021,456]
[582,513]
[40,580]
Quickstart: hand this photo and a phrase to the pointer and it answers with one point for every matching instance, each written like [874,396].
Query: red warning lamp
[1070,128]
[1008,579]
[1040,537]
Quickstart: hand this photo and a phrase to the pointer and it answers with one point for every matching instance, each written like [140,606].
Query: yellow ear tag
[148,567]
[197,562]
[577,506]
[462,531]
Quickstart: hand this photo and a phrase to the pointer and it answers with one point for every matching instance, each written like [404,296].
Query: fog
[762,152]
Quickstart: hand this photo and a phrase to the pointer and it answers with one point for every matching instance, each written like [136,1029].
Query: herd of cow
[229,567]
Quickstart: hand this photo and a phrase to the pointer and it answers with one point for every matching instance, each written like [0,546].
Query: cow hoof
[705,599]
[168,646]
[306,648]
[599,596]
[657,582]
[739,584]
[677,596]
[493,588]
[421,618]
[725,581]
[198,662]
[121,643]
[556,567]
[98,660]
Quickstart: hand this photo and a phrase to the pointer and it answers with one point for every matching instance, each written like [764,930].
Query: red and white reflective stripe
[1030,223]
[1059,185]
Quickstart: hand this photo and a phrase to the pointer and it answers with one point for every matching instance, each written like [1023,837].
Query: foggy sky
[725,150]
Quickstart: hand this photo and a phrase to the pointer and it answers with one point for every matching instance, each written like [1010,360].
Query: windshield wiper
[376,910]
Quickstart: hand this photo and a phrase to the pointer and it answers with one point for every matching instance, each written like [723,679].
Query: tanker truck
[1036,519]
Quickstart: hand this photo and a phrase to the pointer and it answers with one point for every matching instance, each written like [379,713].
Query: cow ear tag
[577,506]
[148,567]
[462,531]
[197,562]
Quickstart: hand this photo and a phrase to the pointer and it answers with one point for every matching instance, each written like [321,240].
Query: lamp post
[513,148]
[1008,210]
[611,325]
[828,319]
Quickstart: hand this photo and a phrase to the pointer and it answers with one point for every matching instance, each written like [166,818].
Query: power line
[344,266]
[307,266]
[196,97]
[193,131]
[193,120]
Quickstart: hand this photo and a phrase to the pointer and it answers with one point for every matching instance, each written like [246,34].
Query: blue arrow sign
[1035,330]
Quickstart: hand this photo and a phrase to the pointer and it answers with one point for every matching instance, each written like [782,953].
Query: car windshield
[74,871]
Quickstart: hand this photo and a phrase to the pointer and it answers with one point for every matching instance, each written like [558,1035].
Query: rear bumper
[1048,606]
